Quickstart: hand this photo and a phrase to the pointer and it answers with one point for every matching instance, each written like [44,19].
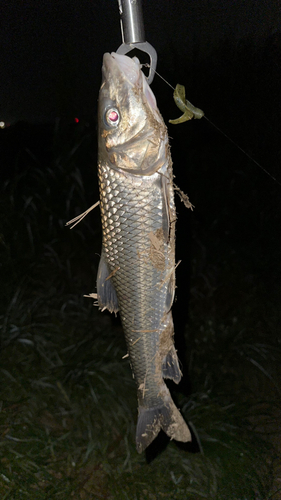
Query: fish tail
[166,417]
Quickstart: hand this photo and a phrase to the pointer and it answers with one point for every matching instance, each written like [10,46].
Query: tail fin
[166,417]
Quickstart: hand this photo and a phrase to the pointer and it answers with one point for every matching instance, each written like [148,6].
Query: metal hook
[133,35]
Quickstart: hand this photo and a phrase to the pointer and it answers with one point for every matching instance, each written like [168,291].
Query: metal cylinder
[131,19]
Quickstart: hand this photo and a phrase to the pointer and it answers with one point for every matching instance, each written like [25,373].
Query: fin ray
[166,417]
[166,209]
[170,292]
[170,366]
[106,293]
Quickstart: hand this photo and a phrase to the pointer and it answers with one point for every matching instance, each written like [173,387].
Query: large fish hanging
[136,274]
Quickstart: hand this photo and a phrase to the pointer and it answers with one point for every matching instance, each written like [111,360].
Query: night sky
[51,51]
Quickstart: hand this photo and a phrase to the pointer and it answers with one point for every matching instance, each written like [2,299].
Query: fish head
[130,125]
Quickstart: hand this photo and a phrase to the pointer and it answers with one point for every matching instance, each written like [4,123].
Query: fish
[136,273]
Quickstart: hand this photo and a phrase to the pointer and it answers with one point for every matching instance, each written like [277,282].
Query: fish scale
[136,279]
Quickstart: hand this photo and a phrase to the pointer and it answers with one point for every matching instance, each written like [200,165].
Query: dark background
[51,52]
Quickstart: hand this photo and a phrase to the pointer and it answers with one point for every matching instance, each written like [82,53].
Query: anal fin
[107,298]
[170,366]
[168,353]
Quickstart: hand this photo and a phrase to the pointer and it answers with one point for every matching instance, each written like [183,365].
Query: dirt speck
[156,252]
[166,339]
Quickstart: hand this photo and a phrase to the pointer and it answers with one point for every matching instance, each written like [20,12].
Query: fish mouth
[130,69]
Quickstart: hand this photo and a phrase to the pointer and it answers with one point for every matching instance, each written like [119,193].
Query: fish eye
[112,117]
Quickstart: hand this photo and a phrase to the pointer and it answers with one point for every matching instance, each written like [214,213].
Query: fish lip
[129,68]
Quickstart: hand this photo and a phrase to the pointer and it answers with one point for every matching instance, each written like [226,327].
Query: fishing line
[222,132]
[243,151]
[148,66]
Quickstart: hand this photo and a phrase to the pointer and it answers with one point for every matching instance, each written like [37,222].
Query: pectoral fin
[170,292]
[107,298]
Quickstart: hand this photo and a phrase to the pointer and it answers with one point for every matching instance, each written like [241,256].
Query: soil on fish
[166,340]
[156,251]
